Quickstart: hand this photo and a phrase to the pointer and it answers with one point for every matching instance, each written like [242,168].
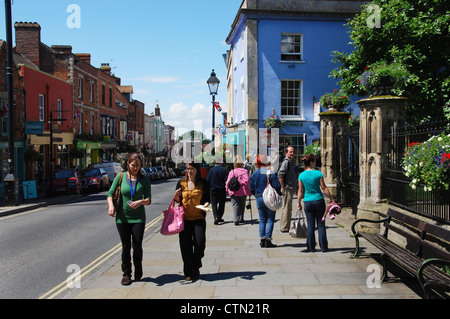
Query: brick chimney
[106,68]
[62,49]
[86,57]
[28,40]
[157,111]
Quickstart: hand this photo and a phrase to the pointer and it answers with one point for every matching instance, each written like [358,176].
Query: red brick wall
[28,39]
[52,88]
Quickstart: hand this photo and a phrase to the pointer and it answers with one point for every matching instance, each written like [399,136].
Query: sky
[165,49]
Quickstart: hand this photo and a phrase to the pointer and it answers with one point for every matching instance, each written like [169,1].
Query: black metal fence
[434,204]
[353,153]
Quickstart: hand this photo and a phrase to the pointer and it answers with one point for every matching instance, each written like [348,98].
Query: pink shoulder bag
[173,222]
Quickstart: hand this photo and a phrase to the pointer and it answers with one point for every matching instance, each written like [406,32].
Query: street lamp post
[213,84]
[11,182]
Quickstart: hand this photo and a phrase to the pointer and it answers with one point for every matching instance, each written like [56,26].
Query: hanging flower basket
[274,121]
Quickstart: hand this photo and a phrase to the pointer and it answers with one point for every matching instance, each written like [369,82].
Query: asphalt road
[40,249]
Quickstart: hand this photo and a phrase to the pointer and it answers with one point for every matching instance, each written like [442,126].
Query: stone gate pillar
[334,150]
[378,115]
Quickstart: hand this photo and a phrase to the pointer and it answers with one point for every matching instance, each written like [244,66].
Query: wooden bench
[420,238]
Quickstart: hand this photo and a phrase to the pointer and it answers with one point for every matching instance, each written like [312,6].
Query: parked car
[179,171]
[156,173]
[150,173]
[162,171]
[111,168]
[67,181]
[172,172]
[94,179]
[144,172]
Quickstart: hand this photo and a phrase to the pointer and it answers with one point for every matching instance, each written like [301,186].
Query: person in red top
[238,196]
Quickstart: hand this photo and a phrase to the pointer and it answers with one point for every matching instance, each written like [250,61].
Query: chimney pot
[105,68]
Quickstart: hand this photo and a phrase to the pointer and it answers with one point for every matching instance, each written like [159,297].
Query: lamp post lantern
[213,85]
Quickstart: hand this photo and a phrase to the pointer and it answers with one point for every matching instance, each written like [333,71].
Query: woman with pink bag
[237,186]
[192,191]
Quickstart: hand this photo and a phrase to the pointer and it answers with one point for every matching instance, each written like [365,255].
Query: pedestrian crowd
[197,195]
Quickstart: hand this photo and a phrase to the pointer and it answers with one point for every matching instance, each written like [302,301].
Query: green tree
[195,135]
[413,33]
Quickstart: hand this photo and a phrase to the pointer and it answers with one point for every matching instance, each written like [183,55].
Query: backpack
[233,184]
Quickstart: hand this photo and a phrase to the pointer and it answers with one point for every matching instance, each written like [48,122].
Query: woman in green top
[130,216]
[312,187]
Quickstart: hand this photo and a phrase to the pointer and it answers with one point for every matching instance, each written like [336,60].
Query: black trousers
[218,198]
[192,245]
[131,234]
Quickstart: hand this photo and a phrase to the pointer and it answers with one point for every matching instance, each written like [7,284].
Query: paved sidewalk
[41,201]
[235,267]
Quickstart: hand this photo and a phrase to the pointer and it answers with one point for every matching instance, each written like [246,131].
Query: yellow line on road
[93,265]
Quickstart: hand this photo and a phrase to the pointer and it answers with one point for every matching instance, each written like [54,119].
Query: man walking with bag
[288,180]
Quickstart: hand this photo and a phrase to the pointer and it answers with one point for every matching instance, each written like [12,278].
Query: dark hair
[307,159]
[198,175]
[287,148]
[132,157]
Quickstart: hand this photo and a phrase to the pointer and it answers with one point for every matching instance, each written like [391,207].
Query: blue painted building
[279,62]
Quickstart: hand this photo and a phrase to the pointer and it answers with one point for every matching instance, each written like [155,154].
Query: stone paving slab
[235,267]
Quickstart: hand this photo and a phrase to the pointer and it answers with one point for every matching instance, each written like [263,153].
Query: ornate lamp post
[213,84]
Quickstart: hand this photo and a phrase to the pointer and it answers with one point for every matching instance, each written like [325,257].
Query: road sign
[34,127]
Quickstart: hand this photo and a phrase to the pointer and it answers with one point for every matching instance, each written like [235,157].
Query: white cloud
[186,118]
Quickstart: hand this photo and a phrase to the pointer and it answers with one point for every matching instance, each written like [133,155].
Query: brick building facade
[100,111]
[19,115]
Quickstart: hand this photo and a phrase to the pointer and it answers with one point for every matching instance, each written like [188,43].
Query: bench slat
[406,259]
[421,225]
[395,252]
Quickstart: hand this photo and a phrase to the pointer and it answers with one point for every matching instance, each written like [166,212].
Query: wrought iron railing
[434,204]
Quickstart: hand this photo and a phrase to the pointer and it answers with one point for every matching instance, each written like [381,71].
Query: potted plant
[274,121]
[335,101]
[382,78]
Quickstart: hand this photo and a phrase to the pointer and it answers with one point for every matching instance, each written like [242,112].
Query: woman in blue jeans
[312,187]
[258,183]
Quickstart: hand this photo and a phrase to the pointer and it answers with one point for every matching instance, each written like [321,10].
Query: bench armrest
[356,235]
[429,262]
[368,221]
[425,264]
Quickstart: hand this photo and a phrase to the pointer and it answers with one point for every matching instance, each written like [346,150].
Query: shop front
[91,151]
[40,170]
[236,140]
